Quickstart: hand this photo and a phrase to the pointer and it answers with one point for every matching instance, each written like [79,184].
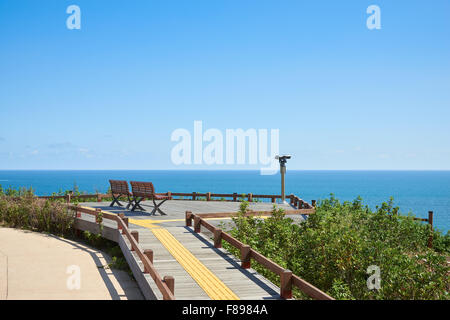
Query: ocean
[413,191]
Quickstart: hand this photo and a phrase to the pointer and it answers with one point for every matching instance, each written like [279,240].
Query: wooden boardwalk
[201,271]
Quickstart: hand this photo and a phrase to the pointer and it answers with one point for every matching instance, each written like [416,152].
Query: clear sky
[109,96]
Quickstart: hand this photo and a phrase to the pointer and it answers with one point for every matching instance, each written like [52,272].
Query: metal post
[283,173]
[283,160]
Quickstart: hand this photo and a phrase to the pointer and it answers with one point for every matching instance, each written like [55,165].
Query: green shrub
[28,212]
[333,248]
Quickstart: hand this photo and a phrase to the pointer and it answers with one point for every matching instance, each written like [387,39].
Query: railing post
[250,197]
[119,216]
[188,218]
[68,198]
[99,198]
[125,221]
[135,235]
[273,199]
[170,282]
[197,226]
[291,198]
[313,203]
[300,204]
[245,257]
[208,196]
[217,238]
[78,213]
[286,284]
[169,194]
[149,254]
[194,195]
[430,222]
[234,196]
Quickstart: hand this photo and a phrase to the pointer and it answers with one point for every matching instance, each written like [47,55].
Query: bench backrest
[142,189]
[119,186]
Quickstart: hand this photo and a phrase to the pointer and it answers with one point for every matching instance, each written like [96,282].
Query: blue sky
[108,96]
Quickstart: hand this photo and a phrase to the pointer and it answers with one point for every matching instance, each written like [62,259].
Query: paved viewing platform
[200,270]
[176,209]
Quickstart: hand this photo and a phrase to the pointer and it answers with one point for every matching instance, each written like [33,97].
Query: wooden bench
[142,190]
[120,188]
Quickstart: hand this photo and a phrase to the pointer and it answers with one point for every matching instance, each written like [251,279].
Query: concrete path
[41,266]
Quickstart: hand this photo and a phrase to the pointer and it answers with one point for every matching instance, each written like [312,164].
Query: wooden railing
[166,284]
[287,278]
[295,201]
[208,196]
[69,197]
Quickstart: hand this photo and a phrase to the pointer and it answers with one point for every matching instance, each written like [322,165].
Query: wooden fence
[70,197]
[287,278]
[250,197]
[165,285]
[294,200]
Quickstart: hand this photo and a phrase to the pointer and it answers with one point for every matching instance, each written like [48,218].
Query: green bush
[333,248]
[28,212]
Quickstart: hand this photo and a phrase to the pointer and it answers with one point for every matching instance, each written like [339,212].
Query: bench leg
[130,202]
[156,208]
[136,204]
[115,199]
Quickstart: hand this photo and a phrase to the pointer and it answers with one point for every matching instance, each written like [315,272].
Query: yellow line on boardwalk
[212,285]
[209,282]
[147,223]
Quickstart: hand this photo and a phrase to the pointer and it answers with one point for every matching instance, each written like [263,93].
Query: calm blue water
[415,191]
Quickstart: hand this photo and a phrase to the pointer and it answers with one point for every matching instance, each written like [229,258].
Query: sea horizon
[415,191]
[216,169]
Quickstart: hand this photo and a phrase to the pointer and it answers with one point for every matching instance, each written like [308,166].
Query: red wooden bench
[119,188]
[142,190]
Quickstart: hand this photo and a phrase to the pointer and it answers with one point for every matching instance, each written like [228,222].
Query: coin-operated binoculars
[283,159]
